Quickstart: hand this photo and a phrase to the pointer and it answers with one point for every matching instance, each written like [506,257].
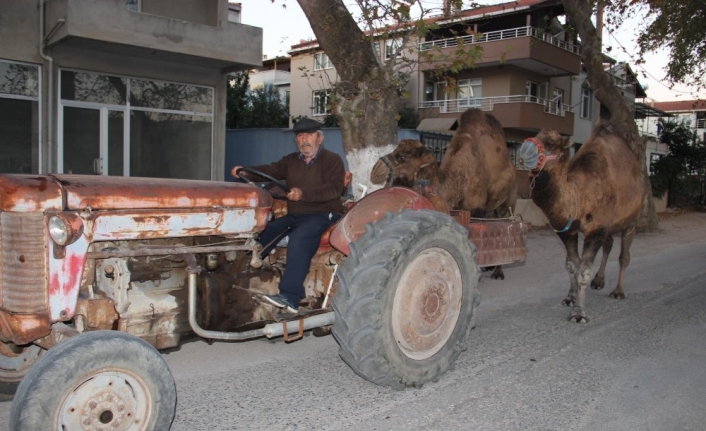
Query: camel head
[410,161]
[547,145]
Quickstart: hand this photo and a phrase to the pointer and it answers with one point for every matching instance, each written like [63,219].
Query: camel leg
[624,259]
[599,280]
[571,243]
[498,273]
[591,244]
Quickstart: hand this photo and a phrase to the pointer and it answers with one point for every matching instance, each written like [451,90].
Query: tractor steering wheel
[268,186]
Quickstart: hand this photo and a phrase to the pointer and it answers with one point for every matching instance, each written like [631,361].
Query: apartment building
[689,112]
[119,87]
[523,76]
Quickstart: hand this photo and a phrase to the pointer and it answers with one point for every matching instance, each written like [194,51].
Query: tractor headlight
[58,230]
[65,229]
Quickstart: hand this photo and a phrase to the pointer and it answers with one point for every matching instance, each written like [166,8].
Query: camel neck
[555,194]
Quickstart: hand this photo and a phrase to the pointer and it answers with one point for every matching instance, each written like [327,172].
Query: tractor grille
[23,265]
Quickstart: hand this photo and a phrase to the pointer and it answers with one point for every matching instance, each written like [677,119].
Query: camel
[598,192]
[476,173]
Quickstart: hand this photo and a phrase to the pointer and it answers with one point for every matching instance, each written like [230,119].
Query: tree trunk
[579,13]
[365,98]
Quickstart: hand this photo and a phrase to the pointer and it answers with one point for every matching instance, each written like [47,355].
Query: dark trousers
[305,232]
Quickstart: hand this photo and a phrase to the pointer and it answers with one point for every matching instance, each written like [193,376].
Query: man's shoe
[280,301]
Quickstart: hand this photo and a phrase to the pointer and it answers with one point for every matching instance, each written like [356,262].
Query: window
[113,125]
[133,5]
[532,90]
[429,91]
[586,103]
[654,158]
[470,92]
[19,118]
[322,102]
[684,119]
[321,61]
[557,102]
[437,91]
[393,48]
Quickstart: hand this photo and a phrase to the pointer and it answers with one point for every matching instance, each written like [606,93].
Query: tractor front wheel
[15,362]
[97,380]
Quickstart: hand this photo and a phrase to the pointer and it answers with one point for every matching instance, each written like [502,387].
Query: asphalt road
[639,364]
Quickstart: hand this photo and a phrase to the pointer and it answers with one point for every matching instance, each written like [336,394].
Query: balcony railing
[491,36]
[487,104]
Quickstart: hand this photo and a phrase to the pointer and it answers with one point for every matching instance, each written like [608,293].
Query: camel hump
[475,120]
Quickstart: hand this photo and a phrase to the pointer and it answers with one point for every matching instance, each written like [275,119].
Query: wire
[639,66]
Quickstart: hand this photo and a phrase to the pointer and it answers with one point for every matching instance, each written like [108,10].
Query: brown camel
[476,173]
[598,192]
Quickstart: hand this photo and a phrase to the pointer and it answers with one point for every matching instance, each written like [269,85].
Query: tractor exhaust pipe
[270,331]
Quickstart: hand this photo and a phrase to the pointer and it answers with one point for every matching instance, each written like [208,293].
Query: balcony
[514,112]
[275,77]
[108,26]
[526,47]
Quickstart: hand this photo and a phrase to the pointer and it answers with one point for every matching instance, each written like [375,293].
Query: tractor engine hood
[21,193]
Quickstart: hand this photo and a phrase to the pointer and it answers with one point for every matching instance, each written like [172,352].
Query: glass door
[93,141]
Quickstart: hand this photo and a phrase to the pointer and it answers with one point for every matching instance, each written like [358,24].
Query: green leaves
[685,163]
[678,26]
[259,108]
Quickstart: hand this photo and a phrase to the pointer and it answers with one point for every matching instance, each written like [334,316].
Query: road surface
[639,364]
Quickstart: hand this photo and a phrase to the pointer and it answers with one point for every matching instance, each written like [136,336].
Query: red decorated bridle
[544,156]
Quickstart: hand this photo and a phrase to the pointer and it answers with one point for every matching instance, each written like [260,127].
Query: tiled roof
[681,106]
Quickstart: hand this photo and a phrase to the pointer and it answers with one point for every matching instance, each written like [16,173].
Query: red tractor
[99,273]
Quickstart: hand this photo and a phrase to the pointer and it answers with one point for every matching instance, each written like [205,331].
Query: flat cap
[306,125]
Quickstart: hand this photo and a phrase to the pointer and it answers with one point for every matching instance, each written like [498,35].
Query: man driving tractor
[315,178]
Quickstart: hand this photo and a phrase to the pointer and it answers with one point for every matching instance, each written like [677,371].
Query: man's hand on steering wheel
[295,194]
[235,172]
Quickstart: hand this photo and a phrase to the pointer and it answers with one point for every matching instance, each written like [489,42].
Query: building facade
[119,87]
[522,77]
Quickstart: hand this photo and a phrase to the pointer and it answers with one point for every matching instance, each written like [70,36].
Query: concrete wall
[530,213]
[199,11]
[19,31]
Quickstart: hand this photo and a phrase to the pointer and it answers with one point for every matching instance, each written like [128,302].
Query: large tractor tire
[406,297]
[15,362]
[103,380]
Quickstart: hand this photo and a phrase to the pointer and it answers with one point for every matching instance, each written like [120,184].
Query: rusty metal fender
[371,208]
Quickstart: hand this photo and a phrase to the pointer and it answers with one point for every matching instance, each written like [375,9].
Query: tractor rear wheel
[406,298]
